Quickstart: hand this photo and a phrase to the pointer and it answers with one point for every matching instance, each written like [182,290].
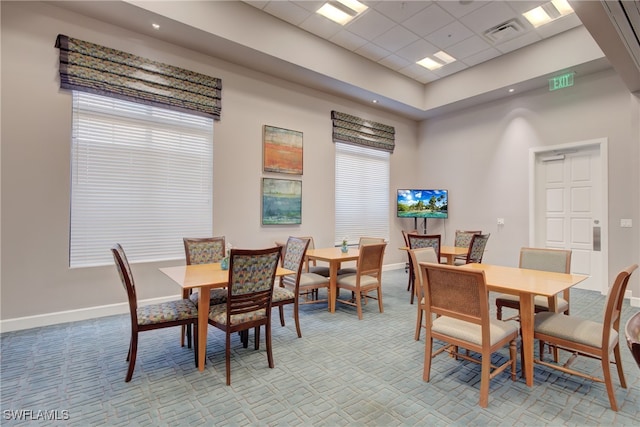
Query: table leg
[450,259]
[526,323]
[203,323]
[333,278]
[185,295]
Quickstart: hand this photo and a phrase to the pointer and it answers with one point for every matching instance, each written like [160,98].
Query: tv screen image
[423,204]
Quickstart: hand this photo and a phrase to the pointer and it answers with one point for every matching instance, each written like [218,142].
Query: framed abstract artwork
[282,150]
[281,201]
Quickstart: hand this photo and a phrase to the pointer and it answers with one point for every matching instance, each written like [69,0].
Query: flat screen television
[416,203]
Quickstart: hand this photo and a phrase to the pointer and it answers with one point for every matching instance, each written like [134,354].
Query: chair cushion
[313,279]
[572,328]
[282,294]
[217,296]
[218,313]
[166,312]
[539,301]
[350,280]
[466,331]
[319,269]
[345,271]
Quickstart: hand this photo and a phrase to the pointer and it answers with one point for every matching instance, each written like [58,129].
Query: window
[141,176]
[362,193]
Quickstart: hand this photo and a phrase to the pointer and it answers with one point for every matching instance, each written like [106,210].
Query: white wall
[36,135]
[476,154]
[481,154]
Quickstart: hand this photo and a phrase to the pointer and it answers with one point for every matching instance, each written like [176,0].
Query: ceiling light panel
[342,11]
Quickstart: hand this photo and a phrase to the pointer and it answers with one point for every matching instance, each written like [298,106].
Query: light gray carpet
[341,372]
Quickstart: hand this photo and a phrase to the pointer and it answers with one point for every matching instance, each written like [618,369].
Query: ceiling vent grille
[505,31]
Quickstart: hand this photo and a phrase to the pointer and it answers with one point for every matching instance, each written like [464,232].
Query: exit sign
[560,82]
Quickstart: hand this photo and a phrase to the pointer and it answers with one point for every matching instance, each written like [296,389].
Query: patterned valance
[359,131]
[93,68]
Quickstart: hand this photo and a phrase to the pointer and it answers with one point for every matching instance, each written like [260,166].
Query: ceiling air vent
[505,31]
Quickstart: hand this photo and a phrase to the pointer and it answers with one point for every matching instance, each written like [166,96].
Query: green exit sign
[560,82]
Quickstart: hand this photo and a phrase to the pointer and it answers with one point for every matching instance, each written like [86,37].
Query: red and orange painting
[282,150]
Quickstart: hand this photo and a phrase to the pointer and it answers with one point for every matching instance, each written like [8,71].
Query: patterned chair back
[204,250]
[463,238]
[476,248]
[294,253]
[251,276]
[425,241]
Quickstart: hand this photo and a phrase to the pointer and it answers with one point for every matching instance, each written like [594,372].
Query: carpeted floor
[341,372]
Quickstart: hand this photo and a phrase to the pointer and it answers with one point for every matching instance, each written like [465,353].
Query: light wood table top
[205,277]
[448,252]
[334,256]
[526,284]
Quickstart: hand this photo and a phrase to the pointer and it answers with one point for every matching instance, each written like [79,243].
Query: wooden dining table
[334,257]
[204,277]
[526,284]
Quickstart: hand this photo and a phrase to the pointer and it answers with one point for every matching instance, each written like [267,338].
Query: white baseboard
[48,319]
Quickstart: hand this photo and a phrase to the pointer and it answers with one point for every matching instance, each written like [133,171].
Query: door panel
[569,206]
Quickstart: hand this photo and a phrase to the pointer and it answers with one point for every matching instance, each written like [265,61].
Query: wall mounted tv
[423,203]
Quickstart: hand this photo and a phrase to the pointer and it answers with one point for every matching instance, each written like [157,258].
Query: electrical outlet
[500,221]
[626,223]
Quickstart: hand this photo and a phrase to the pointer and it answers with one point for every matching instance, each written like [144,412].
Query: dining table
[334,257]
[204,277]
[526,284]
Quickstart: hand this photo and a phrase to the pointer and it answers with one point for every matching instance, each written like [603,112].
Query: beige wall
[465,152]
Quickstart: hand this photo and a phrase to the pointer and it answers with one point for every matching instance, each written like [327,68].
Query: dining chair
[544,259]
[154,316]
[252,274]
[586,337]
[632,333]
[362,241]
[204,250]
[407,265]
[476,249]
[460,299]
[463,240]
[368,277]
[312,266]
[417,241]
[288,292]
[417,256]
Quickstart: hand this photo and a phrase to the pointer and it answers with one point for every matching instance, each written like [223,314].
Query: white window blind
[362,193]
[141,176]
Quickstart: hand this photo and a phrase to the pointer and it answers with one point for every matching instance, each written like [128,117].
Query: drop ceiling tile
[373,52]
[417,50]
[558,26]
[311,6]
[488,16]
[519,42]
[394,62]
[347,40]
[461,8]
[370,24]
[289,12]
[479,57]
[428,20]
[396,38]
[449,69]
[400,11]
[449,35]
[468,47]
[320,26]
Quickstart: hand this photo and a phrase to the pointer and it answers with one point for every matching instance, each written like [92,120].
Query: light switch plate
[626,223]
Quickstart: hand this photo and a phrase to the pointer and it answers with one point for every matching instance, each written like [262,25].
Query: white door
[570,206]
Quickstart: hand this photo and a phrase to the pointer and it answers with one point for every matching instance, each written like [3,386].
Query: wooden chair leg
[268,344]
[512,353]
[499,312]
[188,332]
[484,380]
[227,354]
[296,318]
[418,323]
[131,356]
[380,306]
[428,349]
[256,343]
[618,359]
[281,311]
[359,305]
[606,370]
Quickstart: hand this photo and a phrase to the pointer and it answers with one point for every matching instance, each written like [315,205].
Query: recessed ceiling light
[448,59]
[156,26]
[548,12]
[375,101]
[429,63]
[511,90]
[342,11]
